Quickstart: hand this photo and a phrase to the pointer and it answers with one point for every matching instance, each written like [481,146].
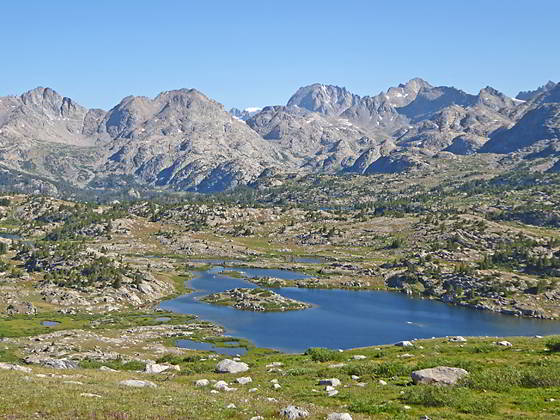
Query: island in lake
[256,300]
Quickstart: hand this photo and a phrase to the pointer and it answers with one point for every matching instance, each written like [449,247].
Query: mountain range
[183,140]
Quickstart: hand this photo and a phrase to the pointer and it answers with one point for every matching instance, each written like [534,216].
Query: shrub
[458,398]
[319,354]
[372,406]
[388,369]
[553,345]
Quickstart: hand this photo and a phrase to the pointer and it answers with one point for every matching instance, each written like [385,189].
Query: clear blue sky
[255,53]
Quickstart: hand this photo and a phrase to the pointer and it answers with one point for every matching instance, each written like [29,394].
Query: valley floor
[97,273]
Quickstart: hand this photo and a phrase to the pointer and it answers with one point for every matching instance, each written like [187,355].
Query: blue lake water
[343,318]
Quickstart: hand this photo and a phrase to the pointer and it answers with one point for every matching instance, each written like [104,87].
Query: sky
[257,53]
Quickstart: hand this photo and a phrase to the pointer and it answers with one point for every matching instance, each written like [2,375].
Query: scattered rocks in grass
[72,383]
[438,375]
[137,384]
[458,339]
[231,366]
[292,412]
[231,406]
[244,380]
[359,357]
[10,366]
[382,382]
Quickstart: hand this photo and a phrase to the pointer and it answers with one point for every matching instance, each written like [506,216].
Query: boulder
[438,375]
[224,386]
[339,416]
[404,344]
[244,380]
[458,339]
[137,384]
[330,382]
[231,366]
[155,368]
[292,412]
[159,368]
[202,382]
[51,363]
[504,343]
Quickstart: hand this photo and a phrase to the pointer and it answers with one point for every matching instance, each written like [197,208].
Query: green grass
[27,325]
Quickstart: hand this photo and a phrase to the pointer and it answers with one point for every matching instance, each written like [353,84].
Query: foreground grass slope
[521,381]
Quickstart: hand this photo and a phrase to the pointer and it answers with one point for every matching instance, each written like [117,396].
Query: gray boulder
[231,366]
[292,412]
[137,384]
[51,363]
[202,382]
[404,344]
[330,382]
[441,375]
[339,416]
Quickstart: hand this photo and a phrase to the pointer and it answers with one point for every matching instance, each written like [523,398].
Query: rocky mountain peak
[326,99]
[495,99]
[405,93]
[50,103]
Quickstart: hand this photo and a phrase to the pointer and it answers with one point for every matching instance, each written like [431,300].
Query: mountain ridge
[182,139]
